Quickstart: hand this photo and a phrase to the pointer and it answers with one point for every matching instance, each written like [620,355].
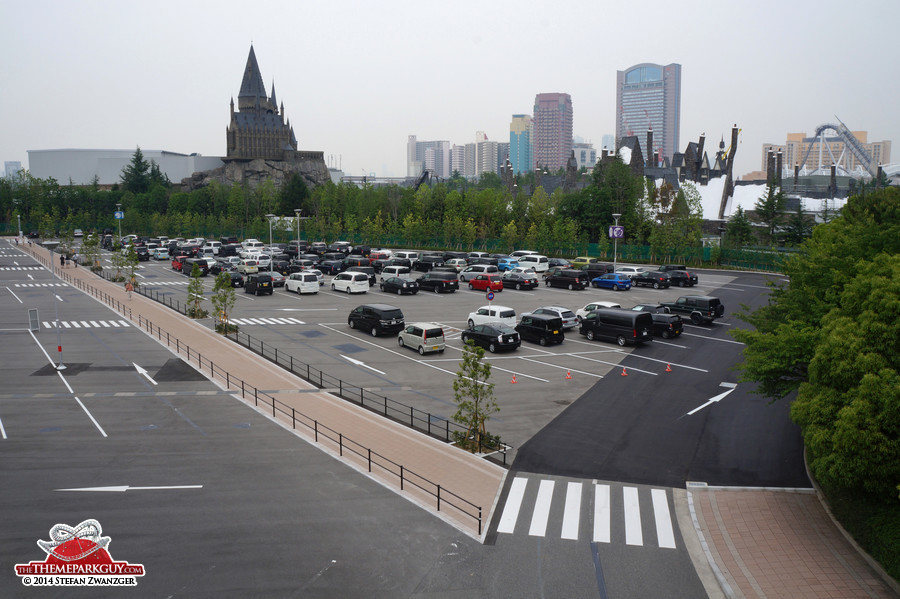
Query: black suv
[665,325]
[364,269]
[595,269]
[700,308]
[542,328]
[569,278]
[377,319]
[258,284]
[439,280]
[426,263]
[652,278]
[682,278]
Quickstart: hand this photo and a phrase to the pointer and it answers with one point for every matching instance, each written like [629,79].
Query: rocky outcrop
[310,165]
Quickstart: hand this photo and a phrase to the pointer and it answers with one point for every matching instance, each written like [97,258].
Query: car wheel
[546,282]
[333,287]
[352,324]
[656,285]
[400,342]
[492,348]
[570,286]
[696,319]
[681,283]
[347,289]
[374,332]
[543,341]
[596,285]
[621,340]
[518,286]
[499,290]
[616,288]
[421,351]
[399,291]
[589,335]
[471,323]
[470,287]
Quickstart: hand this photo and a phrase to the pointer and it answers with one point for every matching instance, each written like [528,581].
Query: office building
[649,96]
[433,156]
[585,155]
[834,149]
[520,130]
[12,168]
[551,140]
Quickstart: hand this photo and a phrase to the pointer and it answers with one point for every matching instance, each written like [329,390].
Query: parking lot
[313,329]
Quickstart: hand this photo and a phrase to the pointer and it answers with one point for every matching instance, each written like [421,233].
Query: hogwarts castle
[260,142]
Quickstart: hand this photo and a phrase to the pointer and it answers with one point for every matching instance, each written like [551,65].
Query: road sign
[119,215]
[616,232]
[490,296]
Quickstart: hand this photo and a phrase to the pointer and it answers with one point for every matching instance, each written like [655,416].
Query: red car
[178,262]
[489,282]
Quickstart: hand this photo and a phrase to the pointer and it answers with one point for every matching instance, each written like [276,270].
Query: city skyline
[106,75]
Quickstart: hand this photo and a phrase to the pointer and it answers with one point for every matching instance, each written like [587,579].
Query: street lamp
[119,209]
[616,242]
[271,255]
[297,211]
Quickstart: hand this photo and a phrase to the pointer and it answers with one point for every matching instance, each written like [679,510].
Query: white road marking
[360,363]
[664,532]
[602,514]
[513,505]
[123,488]
[572,514]
[633,531]
[711,401]
[541,509]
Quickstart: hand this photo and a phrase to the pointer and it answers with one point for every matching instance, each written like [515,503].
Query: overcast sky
[356,78]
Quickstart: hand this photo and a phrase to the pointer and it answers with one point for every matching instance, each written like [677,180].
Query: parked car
[492,313]
[582,312]
[247,267]
[665,325]
[376,319]
[507,263]
[350,282]
[237,279]
[682,278]
[161,253]
[568,318]
[470,272]
[612,280]
[355,261]
[395,271]
[518,280]
[399,286]
[302,282]
[319,275]
[425,337]
[582,261]
[541,328]
[699,308]
[301,264]
[652,278]
[457,263]
[559,262]
[368,270]
[622,326]
[427,262]
[330,267]
[258,283]
[536,261]
[143,254]
[491,282]
[568,278]
[596,269]
[439,281]
[278,279]
[493,336]
[631,271]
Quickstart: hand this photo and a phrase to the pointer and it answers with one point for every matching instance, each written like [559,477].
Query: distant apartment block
[585,154]
[833,150]
[11,168]
[552,121]
[649,96]
[520,151]
[431,155]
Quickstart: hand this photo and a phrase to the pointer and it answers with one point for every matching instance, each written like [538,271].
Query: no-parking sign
[490,296]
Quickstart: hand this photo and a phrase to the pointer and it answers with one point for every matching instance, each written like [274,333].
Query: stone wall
[310,165]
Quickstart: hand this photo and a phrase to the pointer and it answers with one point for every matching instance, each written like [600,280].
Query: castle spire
[272,98]
[252,87]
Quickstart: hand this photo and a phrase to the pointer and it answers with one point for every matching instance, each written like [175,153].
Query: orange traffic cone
[569,375]
[623,372]
[668,368]
[513,381]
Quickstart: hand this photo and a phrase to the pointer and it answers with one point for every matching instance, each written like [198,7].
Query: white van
[302,282]
[214,245]
[350,282]
[394,271]
[536,261]
[411,256]
[492,313]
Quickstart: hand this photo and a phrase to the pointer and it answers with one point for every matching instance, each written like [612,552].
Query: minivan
[259,283]
[423,336]
[568,278]
[625,327]
[536,261]
[376,318]
[470,272]
[350,282]
[541,328]
[302,282]
[394,271]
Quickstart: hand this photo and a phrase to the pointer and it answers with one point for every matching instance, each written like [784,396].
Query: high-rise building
[431,155]
[649,95]
[520,143]
[551,140]
[12,168]
[458,160]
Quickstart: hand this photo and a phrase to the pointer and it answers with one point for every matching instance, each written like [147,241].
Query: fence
[281,411]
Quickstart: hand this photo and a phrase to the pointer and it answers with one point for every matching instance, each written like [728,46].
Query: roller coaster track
[850,141]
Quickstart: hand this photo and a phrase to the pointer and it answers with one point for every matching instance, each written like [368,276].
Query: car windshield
[431,333]
[507,314]
[568,314]
[392,314]
[504,329]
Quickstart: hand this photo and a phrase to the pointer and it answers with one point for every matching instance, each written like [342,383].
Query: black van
[259,283]
[625,327]
[376,319]
[541,328]
[568,278]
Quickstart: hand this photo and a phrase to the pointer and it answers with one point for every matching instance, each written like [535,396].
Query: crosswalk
[40,285]
[22,268]
[87,324]
[595,503]
[150,283]
[249,321]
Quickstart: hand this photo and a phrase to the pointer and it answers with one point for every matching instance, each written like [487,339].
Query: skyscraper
[649,95]
[551,139]
[433,156]
[520,143]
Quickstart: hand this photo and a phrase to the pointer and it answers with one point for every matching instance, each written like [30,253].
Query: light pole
[616,242]
[271,255]
[52,245]
[119,209]
[19,216]
[297,211]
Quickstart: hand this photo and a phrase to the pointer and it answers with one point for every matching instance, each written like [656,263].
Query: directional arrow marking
[123,488]
[711,401]
[359,363]
[143,372]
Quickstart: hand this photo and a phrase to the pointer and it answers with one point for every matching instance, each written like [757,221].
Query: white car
[458,263]
[302,282]
[569,319]
[264,261]
[319,275]
[350,282]
[523,270]
[631,271]
[536,261]
[487,314]
[582,312]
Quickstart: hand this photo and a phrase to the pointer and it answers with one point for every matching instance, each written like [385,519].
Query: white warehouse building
[81,166]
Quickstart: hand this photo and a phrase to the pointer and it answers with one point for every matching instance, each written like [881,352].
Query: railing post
[370,460]
[255,396]
[401,478]
[316,430]
[412,421]
[439,498]
[479,520]
[341,444]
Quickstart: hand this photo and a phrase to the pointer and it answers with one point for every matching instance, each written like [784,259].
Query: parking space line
[566,368]
[713,338]
[2,430]
[658,361]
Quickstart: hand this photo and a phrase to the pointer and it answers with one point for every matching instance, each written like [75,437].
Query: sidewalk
[461,476]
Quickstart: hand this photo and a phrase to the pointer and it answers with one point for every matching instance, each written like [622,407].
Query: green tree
[195,297]
[510,235]
[131,263]
[738,230]
[769,211]
[136,174]
[475,401]
[223,298]
[797,227]
[90,252]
